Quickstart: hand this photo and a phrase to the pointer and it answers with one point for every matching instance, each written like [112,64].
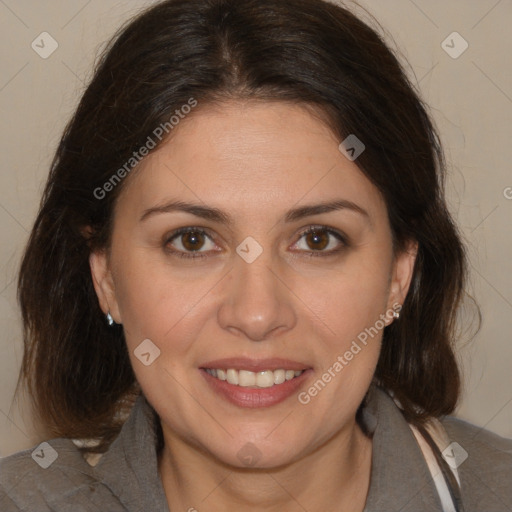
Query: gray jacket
[55,476]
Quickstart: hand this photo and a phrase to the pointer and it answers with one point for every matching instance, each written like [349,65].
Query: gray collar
[130,467]
[400,479]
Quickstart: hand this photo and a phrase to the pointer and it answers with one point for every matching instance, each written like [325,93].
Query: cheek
[162,303]
[170,309]
[164,300]
[351,298]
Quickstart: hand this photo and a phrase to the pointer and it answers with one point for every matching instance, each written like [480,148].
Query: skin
[255,161]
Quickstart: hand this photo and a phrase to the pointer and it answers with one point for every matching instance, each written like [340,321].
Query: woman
[241,286]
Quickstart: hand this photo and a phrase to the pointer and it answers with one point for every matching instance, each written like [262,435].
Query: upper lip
[255,365]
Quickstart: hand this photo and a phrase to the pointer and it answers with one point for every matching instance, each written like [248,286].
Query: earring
[396,313]
[110,320]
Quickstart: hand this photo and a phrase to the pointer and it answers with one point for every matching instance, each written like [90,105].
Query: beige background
[471,101]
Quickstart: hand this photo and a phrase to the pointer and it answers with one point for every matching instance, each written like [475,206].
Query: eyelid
[340,236]
[168,238]
[187,229]
[322,227]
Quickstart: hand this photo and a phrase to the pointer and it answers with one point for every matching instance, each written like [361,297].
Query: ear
[401,275]
[104,284]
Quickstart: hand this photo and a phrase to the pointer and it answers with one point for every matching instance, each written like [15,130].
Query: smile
[248,379]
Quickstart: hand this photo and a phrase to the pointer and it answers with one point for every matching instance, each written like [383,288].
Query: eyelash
[312,229]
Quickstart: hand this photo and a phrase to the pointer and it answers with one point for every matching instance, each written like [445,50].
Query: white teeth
[246,378]
[279,376]
[232,376]
[265,379]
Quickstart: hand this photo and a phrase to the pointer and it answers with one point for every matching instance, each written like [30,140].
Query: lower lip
[253,398]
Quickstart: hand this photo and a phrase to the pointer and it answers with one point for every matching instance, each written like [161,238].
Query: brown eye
[317,240]
[189,242]
[193,240]
[321,241]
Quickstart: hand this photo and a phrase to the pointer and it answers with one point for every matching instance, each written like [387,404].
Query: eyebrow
[216,215]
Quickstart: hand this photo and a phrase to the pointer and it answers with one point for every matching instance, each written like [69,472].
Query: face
[249,249]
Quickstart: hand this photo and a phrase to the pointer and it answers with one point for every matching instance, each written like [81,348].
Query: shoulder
[52,476]
[27,476]
[484,462]
[483,447]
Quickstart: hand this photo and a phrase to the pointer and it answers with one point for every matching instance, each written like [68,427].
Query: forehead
[250,157]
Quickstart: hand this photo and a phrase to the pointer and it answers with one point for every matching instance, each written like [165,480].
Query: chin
[260,454]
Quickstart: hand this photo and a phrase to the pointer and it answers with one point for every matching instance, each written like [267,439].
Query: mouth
[251,383]
[249,379]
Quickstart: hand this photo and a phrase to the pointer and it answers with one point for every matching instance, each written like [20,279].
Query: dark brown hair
[304,51]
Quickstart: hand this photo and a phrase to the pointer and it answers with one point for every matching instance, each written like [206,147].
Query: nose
[257,301]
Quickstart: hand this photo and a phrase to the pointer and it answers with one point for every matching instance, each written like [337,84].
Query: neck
[337,472]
